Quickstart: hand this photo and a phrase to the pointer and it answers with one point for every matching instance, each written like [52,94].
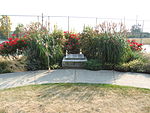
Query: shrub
[146,67]
[4,67]
[134,45]
[88,43]
[108,66]
[104,43]
[44,49]
[56,47]
[133,66]
[131,55]
[72,45]
[13,46]
[93,64]
[7,65]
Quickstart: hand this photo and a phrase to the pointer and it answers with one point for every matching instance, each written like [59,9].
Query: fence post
[49,23]
[42,19]
[38,18]
[68,23]
[96,21]
[142,32]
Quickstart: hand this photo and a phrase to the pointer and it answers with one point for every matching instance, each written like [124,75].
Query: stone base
[74,61]
[72,64]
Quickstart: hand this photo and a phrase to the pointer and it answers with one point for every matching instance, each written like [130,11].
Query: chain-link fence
[72,23]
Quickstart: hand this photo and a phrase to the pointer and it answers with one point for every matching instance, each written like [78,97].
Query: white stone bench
[74,61]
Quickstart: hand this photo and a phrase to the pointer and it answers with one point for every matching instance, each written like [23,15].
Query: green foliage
[8,65]
[14,46]
[44,49]
[72,45]
[135,29]
[56,47]
[146,67]
[88,42]
[131,55]
[4,67]
[133,66]
[5,26]
[19,30]
[108,66]
[93,64]
[104,43]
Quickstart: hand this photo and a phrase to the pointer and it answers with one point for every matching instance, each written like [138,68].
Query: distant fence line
[75,23]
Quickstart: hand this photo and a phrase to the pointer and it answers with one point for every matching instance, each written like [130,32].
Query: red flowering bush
[134,45]
[13,44]
[72,44]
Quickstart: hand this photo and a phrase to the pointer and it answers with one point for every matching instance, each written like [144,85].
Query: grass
[74,98]
[8,65]
[144,41]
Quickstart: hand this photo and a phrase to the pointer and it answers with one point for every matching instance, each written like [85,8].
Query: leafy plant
[133,66]
[19,30]
[5,26]
[7,65]
[13,45]
[134,45]
[131,55]
[44,49]
[93,64]
[146,67]
[72,44]
[105,43]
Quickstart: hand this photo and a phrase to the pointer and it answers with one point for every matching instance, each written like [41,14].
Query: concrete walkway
[74,76]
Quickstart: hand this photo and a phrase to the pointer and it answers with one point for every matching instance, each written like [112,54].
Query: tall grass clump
[107,43]
[44,49]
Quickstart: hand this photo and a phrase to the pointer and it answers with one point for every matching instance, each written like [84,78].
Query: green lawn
[75,98]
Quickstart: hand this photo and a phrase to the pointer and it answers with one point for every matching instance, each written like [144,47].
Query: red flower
[128,41]
[13,34]
[25,36]
[134,45]
[10,39]
[65,32]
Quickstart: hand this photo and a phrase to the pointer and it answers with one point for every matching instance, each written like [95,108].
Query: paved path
[74,76]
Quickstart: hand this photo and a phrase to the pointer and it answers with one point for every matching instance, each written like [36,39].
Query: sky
[129,9]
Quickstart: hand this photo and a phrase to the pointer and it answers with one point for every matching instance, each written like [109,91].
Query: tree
[19,30]
[5,26]
[136,29]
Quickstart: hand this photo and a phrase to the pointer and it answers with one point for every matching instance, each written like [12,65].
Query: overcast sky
[98,8]
[129,9]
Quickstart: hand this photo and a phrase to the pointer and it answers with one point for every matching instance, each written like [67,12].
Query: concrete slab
[9,80]
[56,76]
[133,79]
[87,76]
[17,79]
